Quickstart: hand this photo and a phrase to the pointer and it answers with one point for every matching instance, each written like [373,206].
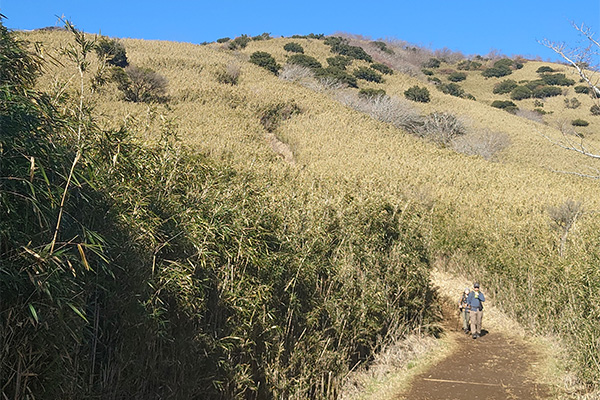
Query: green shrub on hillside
[383,47]
[452,89]
[265,60]
[582,89]
[417,93]
[469,65]
[112,51]
[579,122]
[317,36]
[223,40]
[504,87]
[435,80]
[520,93]
[384,69]
[501,68]
[294,47]
[337,74]
[557,80]
[505,105]
[263,36]
[368,75]
[572,103]
[370,93]
[544,69]
[340,62]
[595,109]
[304,60]
[340,46]
[546,91]
[457,77]
[239,42]
[427,72]
[432,63]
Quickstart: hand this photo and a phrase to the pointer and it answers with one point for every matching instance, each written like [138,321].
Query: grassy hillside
[500,220]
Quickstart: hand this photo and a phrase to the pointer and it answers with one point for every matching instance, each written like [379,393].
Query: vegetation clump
[557,80]
[520,93]
[239,42]
[452,89]
[504,87]
[546,91]
[304,60]
[337,75]
[500,68]
[340,62]
[579,122]
[223,40]
[140,84]
[582,89]
[595,109]
[265,60]
[370,92]
[506,105]
[544,69]
[294,47]
[383,47]
[468,65]
[457,77]
[432,63]
[112,51]
[340,45]
[418,94]
[384,69]
[368,74]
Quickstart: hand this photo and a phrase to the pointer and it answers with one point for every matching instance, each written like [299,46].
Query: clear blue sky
[471,26]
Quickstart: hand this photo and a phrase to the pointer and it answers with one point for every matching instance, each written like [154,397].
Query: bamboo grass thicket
[174,276]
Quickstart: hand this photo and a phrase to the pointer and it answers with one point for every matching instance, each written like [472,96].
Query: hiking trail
[501,364]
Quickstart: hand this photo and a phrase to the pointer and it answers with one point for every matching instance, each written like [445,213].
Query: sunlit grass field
[490,215]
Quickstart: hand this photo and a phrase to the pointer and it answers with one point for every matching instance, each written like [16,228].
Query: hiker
[464,310]
[475,303]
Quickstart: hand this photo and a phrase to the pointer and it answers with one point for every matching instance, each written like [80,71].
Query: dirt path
[501,364]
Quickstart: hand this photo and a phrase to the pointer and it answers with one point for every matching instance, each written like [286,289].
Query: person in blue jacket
[475,304]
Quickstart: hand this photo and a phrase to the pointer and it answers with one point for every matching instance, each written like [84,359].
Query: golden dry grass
[334,145]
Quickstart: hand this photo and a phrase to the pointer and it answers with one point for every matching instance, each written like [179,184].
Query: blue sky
[471,26]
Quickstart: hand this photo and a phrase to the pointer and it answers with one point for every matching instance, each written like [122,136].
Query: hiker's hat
[467,290]
[476,285]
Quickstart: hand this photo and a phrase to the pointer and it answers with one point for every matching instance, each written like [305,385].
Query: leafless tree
[585,61]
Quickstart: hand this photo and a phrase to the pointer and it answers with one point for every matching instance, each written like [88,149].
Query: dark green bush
[338,75]
[496,72]
[520,93]
[384,69]
[370,93]
[595,109]
[546,91]
[557,80]
[435,80]
[427,72]
[504,63]
[113,51]
[340,46]
[265,60]
[368,74]
[432,63]
[452,89]
[263,36]
[239,42]
[572,103]
[304,61]
[340,62]
[419,94]
[469,65]
[579,122]
[457,77]
[544,69]
[140,84]
[294,47]
[582,89]
[504,87]
[505,105]
[309,36]
[532,85]
[383,47]
[223,40]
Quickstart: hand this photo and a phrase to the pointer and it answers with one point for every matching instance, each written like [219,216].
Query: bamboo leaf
[78,312]
[83,257]
[33,312]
